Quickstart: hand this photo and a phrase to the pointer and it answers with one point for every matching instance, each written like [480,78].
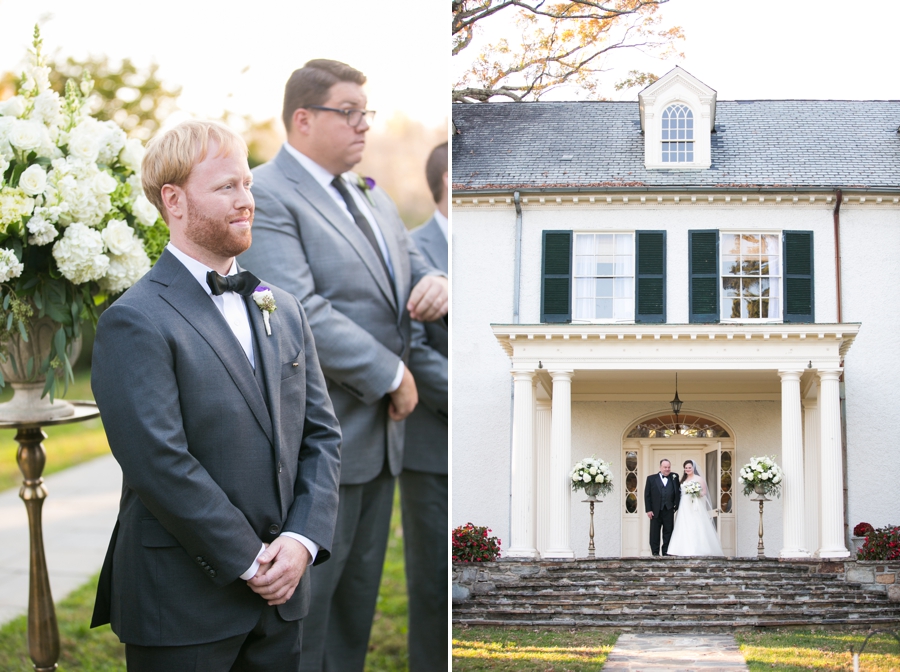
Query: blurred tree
[135,98]
[561,43]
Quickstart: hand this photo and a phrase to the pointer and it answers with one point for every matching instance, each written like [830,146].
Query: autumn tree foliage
[557,43]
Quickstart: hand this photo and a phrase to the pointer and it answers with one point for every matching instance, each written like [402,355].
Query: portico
[797,364]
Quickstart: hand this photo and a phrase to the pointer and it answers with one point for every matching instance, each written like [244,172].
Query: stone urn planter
[592,489]
[21,370]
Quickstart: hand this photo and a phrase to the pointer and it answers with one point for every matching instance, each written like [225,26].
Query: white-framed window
[604,277]
[677,134]
[751,276]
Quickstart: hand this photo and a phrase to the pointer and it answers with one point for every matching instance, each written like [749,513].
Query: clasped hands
[281,566]
[429,299]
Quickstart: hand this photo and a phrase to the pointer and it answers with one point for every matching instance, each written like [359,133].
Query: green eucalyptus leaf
[29,367]
[6,299]
[22,332]
[49,387]
[59,341]
[15,367]
[38,300]
[9,319]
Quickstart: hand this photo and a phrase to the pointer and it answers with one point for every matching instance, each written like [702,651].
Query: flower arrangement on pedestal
[761,475]
[75,227]
[593,476]
[471,543]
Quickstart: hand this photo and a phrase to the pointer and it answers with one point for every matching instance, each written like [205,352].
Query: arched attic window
[664,426]
[677,134]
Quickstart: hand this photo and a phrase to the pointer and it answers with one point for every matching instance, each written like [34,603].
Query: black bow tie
[243,283]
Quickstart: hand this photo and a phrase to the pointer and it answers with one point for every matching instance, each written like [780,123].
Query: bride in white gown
[694,533]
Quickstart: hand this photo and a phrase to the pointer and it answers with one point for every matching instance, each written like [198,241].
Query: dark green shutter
[556,277]
[650,277]
[703,292]
[799,293]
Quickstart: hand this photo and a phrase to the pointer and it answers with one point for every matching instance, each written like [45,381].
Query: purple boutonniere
[264,298]
[366,184]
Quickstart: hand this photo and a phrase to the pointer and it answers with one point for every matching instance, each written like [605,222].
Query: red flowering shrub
[472,544]
[881,544]
[862,530]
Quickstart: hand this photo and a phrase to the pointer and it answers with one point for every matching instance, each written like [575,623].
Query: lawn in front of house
[477,648]
[805,650]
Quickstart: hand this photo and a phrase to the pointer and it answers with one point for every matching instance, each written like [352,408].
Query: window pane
[731,265]
[764,266]
[750,267]
[604,245]
[603,287]
[771,244]
[726,460]
[731,287]
[774,265]
[631,462]
[583,309]
[774,307]
[605,266]
[736,309]
[690,153]
[631,480]
[584,288]
[584,244]
[726,503]
[752,309]
[726,480]
[584,265]
[624,265]
[623,288]
[603,309]
[750,287]
[764,308]
[749,243]
[731,244]
[631,503]
[623,244]
[624,309]
[763,287]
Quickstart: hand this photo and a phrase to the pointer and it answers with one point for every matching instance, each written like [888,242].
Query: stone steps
[649,594]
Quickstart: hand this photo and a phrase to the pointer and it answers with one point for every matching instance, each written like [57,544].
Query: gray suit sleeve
[314,511]
[142,418]
[349,355]
[429,368]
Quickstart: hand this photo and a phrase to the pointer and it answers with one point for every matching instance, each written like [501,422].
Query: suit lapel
[185,295]
[433,245]
[313,193]
[266,354]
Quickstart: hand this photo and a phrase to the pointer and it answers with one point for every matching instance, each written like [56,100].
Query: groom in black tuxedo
[661,496]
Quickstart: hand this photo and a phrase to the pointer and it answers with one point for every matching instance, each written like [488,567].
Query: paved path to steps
[646,652]
[78,516]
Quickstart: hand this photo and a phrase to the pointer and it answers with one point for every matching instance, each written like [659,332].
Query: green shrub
[881,544]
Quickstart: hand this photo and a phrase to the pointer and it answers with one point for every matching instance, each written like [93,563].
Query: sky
[237,56]
[801,49]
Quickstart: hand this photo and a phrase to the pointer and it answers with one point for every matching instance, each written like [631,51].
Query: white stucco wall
[870,255]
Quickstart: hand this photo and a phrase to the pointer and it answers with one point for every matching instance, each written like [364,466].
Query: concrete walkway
[78,516]
[643,652]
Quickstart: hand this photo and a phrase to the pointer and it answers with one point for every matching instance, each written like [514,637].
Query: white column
[522,524]
[542,463]
[560,465]
[811,473]
[832,481]
[792,465]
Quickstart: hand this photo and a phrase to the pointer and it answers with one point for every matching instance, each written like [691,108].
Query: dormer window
[678,134]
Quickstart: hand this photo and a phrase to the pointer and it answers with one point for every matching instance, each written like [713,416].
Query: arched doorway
[702,439]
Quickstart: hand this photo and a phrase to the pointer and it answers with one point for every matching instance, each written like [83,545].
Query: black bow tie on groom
[243,283]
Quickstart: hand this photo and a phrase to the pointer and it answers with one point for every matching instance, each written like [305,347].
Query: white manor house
[601,248]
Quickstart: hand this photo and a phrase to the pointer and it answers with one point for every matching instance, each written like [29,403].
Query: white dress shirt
[324,177]
[665,479]
[234,310]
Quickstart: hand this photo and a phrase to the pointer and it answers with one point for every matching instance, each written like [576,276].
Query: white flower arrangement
[693,489]
[593,472]
[75,227]
[761,473]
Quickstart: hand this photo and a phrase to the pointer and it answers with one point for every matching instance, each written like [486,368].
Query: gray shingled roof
[758,143]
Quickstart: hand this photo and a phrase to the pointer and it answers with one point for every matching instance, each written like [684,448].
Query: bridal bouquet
[75,226]
[761,475]
[693,489]
[592,476]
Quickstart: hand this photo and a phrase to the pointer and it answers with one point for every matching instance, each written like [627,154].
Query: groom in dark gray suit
[423,483]
[217,411]
[335,241]
[662,493]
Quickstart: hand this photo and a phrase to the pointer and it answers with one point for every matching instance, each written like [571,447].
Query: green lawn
[806,650]
[530,650]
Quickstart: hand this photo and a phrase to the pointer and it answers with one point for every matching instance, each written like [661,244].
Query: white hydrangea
[33,180]
[70,187]
[14,205]
[145,212]
[79,254]
[125,269]
[132,155]
[46,108]
[111,140]
[10,266]
[42,231]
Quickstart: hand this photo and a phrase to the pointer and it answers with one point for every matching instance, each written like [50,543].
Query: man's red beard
[217,235]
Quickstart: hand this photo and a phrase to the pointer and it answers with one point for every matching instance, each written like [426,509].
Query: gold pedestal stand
[762,499]
[591,500]
[43,632]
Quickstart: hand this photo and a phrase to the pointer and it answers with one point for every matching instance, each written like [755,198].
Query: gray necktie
[362,223]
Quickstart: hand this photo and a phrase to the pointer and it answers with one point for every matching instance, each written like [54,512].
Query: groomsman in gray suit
[423,483]
[219,417]
[335,241]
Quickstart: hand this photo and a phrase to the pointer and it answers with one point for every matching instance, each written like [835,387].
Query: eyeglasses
[353,117]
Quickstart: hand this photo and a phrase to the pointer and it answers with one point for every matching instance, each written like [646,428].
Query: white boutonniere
[366,184]
[264,298]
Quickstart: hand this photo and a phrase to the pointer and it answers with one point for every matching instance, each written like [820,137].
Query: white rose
[593,471]
[586,478]
[144,211]
[599,479]
[132,154]
[33,180]
[46,107]
[118,237]
[26,135]
[576,477]
[104,183]
[14,107]
[83,143]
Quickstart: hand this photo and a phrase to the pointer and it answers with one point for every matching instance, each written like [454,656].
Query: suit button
[199,558]
[279,467]
[212,573]
[273,529]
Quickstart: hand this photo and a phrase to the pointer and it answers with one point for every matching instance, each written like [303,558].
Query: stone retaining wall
[874,575]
